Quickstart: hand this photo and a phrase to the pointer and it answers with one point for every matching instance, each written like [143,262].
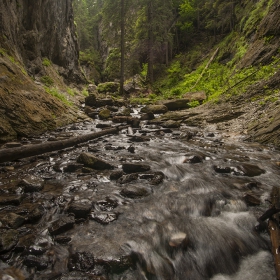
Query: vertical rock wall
[33,29]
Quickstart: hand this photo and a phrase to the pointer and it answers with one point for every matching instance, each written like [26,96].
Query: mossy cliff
[38,50]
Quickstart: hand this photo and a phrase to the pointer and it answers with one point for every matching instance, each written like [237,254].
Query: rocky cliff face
[31,32]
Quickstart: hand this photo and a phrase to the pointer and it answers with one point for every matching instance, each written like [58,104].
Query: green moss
[46,62]
[85,92]
[47,80]
[108,87]
[193,104]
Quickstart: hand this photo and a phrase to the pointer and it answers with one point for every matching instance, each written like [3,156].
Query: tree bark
[150,74]
[11,154]
[122,47]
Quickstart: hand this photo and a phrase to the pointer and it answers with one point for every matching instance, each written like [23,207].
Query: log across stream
[169,206]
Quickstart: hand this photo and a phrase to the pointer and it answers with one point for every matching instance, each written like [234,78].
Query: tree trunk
[150,74]
[122,47]
[11,154]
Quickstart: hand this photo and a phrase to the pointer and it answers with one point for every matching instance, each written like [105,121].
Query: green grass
[54,92]
[46,62]
[47,80]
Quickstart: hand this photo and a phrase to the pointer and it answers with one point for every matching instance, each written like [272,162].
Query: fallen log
[11,154]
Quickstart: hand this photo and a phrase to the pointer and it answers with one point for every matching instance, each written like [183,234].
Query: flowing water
[198,223]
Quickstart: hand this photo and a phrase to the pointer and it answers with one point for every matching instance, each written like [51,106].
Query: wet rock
[103,217]
[252,185]
[25,242]
[104,114]
[13,220]
[114,265]
[36,250]
[61,225]
[131,149]
[127,178]
[80,210]
[72,167]
[147,117]
[91,161]
[90,100]
[11,273]
[31,212]
[62,239]
[81,261]
[115,175]
[31,184]
[39,262]
[9,199]
[124,112]
[112,108]
[222,169]
[133,122]
[250,170]
[154,109]
[171,124]
[135,192]
[8,239]
[194,159]
[178,239]
[135,167]
[113,148]
[107,204]
[157,178]
[251,199]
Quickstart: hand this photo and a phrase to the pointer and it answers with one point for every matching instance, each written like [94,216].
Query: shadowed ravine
[196,222]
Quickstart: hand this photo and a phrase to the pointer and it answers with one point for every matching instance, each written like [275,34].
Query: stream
[170,204]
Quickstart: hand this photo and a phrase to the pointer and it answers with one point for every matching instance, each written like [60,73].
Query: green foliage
[85,92]
[46,62]
[144,71]
[54,92]
[112,69]
[47,80]
[193,104]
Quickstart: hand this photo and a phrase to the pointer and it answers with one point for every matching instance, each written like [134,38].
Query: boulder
[110,87]
[104,102]
[80,210]
[135,167]
[10,199]
[104,114]
[31,184]
[171,124]
[91,161]
[90,100]
[176,104]
[81,261]
[154,109]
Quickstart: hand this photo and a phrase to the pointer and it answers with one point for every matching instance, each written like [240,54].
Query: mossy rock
[110,87]
[104,114]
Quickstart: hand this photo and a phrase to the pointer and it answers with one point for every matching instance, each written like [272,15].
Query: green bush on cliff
[47,80]
[54,92]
